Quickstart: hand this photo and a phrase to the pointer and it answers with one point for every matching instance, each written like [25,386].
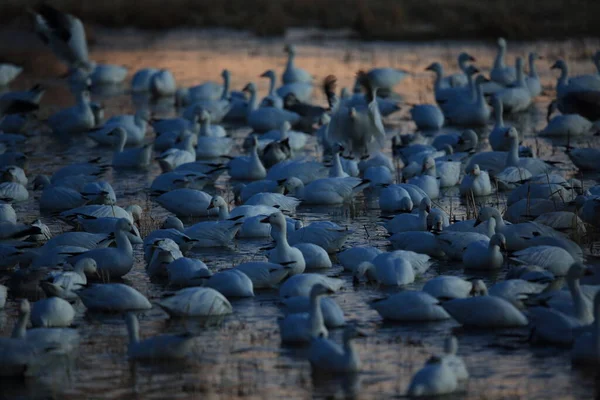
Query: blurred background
[365,19]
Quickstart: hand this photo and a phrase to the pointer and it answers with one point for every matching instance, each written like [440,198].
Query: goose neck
[532,68]
[223,212]
[479,94]
[498,110]
[316,316]
[564,75]
[336,168]
[499,61]
[253,103]
[439,73]
[20,329]
[123,243]
[122,140]
[512,156]
[133,329]
[580,305]
[280,236]
[271,84]
[225,93]
[290,61]
[205,128]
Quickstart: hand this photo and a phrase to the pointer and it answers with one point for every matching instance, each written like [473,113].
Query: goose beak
[361,333]
[588,272]
[265,220]
[477,222]
[554,66]
[210,206]
[263,75]
[471,58]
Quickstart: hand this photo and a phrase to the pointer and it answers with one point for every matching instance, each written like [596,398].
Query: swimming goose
[162,83]
[231,283]
[8,72]
[135,126]
[65,284]
[186,202]
[52,312]
[485,311]
[467,140]
[172,229]
[325,234]
[436,378]
[283,253]
[250,216]
[475,182]
[447,287]
[586,349]
[410,306]
[516,98]
[265,275]
[113,297]
[156,348]
[485,254]
[455,362]
[248,167]
[354,256]
[73,120]
[292,73]
[163,252]
[301,328]
[333,316]
[395,198]
[264,119]
[302,284]
[532,79]
[454,242]
[305,171]
[410,222]
[420,241]
[174,157]
[555,259]
[209,145]
[395,268]
[473,112]
[325,191]
[113,262]
[262,186]
[130,158]
[428,182]
[459,79]
[326,355]
[500,73]
[196,302]
[185,272]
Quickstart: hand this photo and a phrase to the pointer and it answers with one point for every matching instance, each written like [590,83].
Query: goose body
[325,234]
[186,202]
[485,312]
[325,191]
[411,306]
[302,284]
[196,302]
[333,316]
[326,355]
[186,272]
[52,312]
[351,258]
[301,328]
[485,254]
[436,378]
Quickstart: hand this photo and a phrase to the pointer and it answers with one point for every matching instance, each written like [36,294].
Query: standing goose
[460,79]
[532,79]
[500,73]
[264,119]
[303,327]
[156,348]
[326,355]
[76,119]
[516,98]
[292,73]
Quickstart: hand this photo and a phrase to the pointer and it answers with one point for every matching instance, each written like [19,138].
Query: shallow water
[240,356]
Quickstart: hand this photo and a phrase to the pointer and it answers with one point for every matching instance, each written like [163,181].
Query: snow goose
[410,222]
[395,268]
[231,283]
[532,79]
[162,84]
[476,182]
[130,158]
[325,191]
[436,378]
[563,221]
[302,284]
[134,125]
[174,157]
[454,243]
[301,328]
[315,256]
[586,349]
[265,275]
[306,171]
[454,361]
[586,159]
[429,181]
[73,120]
[177,180]
[156,348]
[427,117]
[354,256]
[52,312]
[10,189]
[566,125]
[447,172]
[252,215]
[292,73]
[516,234]
[8,72]
[184,272]
[57,198]
[272,98]
[467,140]
[419,242]
[459,79]
[262,186]
[172,229]
[386,78]
[186,202]
[326,355]
[196,302]
[485,311]
[555,259]
[447,287]
[410,306]
[283,253]
[512,177]
[516,98]
[265,119]
[113,262]
[485,254]
[209,146]
[248,167]
[277,200]
[469,113]
[516,291]
[67,283]
[500,73]
[325,234]
[333,316]
[140,82]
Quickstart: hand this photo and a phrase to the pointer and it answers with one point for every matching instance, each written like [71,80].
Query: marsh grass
[368,19]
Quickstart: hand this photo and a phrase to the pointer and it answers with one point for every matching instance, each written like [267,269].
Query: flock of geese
[547,214]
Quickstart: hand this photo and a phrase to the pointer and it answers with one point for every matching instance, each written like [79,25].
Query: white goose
[325,191]
[325,234]
[134,125]
[427,117]
[302,284]
[446,287]
[555,259]
[497,139]
[265,275]
[532,79]
[428,182]
[130,158]
[354,256]
[500,73]
[174,157]
[186,272]
[196,302]
[485,254]
[516,98]
[248,167]
[410,222]
[326,355]
[250,217]
[265,119]
[283,253]
[156,348]
[211,144]
[395,198]
[410,306]
[292,73]
[231,283]
[436,378]
[395,268]
[186,202]
[315,256]
[52,312]
[73,120]
[301,328]
[66,284]
[333,316]
[476,182]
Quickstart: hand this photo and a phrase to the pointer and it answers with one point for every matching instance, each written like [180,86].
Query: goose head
[486,213]
[469,136]
[276,220]
[475,171]
[511,133]
[435,67]
[225,74]
[501,43]
[290,49]
[292,185]
[428,164]
[217,202]
[135,211]
[203,115]
[498,240]
[123,224]
[471,70]
[250,88]
[437,223]
[338,148]
[425,205]
[479,288]
[173,223]
[87,265]
[465,57]
[268,74]
[559,64]
[534,56]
